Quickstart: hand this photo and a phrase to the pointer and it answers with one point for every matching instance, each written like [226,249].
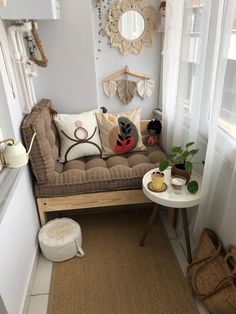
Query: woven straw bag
[212,274]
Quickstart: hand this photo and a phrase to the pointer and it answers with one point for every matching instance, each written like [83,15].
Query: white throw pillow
[79,135]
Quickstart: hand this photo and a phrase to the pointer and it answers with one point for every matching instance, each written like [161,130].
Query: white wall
[19,225]
[73,79]
[18,245]
[70,79]
[110,60]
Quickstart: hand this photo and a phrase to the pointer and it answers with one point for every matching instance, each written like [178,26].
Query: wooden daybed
[87,182]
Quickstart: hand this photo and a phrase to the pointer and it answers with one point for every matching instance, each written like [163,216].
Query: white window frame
[226,127]
[8,106]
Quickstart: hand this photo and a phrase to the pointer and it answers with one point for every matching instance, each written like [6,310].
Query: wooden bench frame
[90,200]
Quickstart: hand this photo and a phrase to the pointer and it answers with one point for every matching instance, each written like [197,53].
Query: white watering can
[15,154]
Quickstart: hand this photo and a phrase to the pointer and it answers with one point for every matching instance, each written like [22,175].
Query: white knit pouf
[61,239]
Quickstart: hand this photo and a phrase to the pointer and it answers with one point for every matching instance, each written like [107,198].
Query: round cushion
[60,239]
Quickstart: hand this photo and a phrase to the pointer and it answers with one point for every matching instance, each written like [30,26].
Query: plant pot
[179,170]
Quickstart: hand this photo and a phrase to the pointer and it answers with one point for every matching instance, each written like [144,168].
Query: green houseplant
[180,159]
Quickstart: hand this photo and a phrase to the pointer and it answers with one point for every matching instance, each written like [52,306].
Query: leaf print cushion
[120,134]
[123,137]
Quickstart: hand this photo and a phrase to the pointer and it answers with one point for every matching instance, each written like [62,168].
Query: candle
[177,183]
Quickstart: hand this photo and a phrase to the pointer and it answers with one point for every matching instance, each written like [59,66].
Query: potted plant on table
[180,159]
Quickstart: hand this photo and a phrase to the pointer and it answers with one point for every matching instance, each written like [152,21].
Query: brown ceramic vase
[179,170]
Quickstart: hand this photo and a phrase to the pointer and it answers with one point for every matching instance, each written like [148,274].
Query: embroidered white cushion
[79,135]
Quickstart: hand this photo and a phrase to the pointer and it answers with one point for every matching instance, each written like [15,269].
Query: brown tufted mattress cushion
[94,174]
[84,175]
[44,153]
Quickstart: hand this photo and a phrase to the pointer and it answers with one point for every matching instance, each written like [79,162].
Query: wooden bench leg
[42,214]
[149,224]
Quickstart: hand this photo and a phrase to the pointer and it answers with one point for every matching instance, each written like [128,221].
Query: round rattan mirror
[130,25]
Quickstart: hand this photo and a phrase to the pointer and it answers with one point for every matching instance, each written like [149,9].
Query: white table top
[166,198]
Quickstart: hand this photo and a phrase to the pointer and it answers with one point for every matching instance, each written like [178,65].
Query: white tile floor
[40,292]
[42,277]
[41,287]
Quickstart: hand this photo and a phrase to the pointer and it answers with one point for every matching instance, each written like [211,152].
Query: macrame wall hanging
[36,51]
[127,89]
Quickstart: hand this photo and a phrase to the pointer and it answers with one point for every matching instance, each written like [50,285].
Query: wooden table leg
[186,232]
[149,224]
[175,217]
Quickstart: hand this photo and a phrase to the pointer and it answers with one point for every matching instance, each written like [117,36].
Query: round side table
[168,199]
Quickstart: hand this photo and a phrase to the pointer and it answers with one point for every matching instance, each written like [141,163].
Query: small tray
[163,189]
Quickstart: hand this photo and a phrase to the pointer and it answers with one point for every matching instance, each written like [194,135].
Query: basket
[212,274]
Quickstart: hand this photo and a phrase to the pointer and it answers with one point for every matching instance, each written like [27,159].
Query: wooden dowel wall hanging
[127,89]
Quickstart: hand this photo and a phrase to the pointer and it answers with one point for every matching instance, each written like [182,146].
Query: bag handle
[192,278]
[205,258]
[220,285]
[211,255]
[230,258]
[81,252]
[79,248]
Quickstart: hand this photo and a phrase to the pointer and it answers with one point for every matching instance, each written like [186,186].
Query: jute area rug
[116,275]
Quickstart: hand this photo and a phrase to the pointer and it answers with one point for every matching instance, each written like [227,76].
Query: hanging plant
[102,6]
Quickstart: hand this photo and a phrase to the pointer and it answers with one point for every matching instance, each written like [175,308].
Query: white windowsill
[228,129]
[8,180]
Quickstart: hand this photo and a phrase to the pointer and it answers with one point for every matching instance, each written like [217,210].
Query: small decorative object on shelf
[180,159]
[154,129]
[151,140]
[162,10]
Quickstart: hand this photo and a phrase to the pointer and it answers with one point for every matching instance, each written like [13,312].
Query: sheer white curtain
[217,209]
[184,67]
[196,104]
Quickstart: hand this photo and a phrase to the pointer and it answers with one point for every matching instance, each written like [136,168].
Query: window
[227,120]
[189,54]
[6,129]
[8,177]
